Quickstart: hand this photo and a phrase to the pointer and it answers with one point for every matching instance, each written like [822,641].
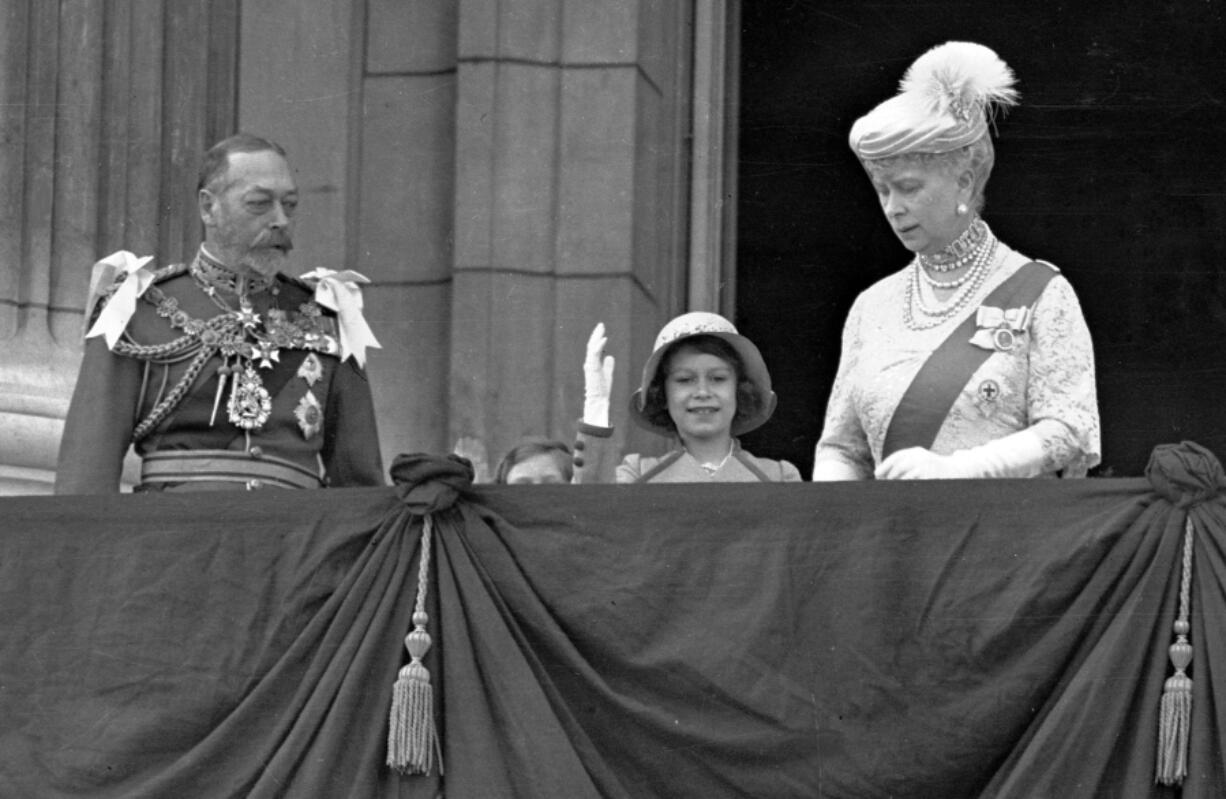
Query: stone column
[571,187]
[406,227]
[104,110]
[362,95]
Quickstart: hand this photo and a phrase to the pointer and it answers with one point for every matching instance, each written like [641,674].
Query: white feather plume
[960,78]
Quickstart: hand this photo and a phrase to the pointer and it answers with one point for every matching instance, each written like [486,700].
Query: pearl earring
[962,209]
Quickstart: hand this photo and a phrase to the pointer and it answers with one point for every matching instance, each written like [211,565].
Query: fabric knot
[429,483]
[1185,474]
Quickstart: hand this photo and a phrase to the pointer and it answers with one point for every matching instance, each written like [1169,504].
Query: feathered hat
[945,101]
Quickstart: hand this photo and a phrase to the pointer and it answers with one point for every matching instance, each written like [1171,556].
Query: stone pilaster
[104,109]
[569,210]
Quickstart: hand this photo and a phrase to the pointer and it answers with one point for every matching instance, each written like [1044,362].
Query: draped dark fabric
[916,639]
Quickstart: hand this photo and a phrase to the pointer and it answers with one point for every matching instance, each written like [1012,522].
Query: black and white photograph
[612,399]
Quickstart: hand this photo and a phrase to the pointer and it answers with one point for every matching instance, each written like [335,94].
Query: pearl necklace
[961,251]
[971,282]
[944,284]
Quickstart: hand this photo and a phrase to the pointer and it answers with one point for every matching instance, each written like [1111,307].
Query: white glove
[834,469]
[597,379]
[1017,455]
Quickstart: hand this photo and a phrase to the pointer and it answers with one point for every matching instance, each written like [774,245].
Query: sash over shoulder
[926,402]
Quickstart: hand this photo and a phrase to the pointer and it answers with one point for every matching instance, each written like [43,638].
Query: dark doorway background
[1113,168]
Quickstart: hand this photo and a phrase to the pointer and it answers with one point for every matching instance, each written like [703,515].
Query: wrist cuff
[596,431]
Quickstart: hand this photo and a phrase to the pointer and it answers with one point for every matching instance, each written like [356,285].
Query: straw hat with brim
[702,323]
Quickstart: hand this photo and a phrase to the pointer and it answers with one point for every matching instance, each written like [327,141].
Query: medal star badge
[310,415]
[311,370]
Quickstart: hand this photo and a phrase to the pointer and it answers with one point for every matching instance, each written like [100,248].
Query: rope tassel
[412,740]
[1175,712]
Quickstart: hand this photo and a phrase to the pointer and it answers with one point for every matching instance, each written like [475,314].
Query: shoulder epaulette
[159,276]
[309,290]
[167,272]
[153,295]
[297,281]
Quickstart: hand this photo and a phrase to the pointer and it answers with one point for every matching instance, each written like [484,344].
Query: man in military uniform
[222,372]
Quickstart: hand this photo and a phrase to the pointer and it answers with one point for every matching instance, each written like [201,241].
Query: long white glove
[597,379]
[1017,455]
[828,469]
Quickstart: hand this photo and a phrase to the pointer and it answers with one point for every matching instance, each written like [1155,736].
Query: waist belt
[225,466]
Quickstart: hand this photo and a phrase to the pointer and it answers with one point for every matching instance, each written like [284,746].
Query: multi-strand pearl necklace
[961,251]
[980,261]
[959,255]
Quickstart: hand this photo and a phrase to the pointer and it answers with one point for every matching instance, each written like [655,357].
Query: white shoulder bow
[339,291]
[137,277]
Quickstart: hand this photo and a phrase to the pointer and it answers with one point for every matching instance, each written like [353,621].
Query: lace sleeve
[1062,400]
[843,439]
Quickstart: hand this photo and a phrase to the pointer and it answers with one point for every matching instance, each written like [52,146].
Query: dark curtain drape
[927,639]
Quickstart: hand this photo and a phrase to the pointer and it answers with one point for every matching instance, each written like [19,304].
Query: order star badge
[311,369]
[309,415]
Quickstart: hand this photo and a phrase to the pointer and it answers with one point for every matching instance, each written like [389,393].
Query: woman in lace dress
[974,360]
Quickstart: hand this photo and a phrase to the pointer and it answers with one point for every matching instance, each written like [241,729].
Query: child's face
[540,469]
[701,393]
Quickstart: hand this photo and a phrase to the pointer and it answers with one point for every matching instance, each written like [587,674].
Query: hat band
[887,144]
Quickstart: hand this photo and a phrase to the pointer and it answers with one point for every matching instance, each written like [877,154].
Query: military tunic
[317,415]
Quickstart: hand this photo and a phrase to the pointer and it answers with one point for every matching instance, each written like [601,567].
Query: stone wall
[507,173]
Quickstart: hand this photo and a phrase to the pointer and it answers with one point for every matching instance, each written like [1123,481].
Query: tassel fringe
[412,741]
[1174,721]
[413,745]
[1175,710]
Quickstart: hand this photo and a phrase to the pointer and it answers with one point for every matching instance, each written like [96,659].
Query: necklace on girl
[712,468]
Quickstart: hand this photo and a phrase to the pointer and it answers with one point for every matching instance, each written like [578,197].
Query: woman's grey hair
[979,157]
